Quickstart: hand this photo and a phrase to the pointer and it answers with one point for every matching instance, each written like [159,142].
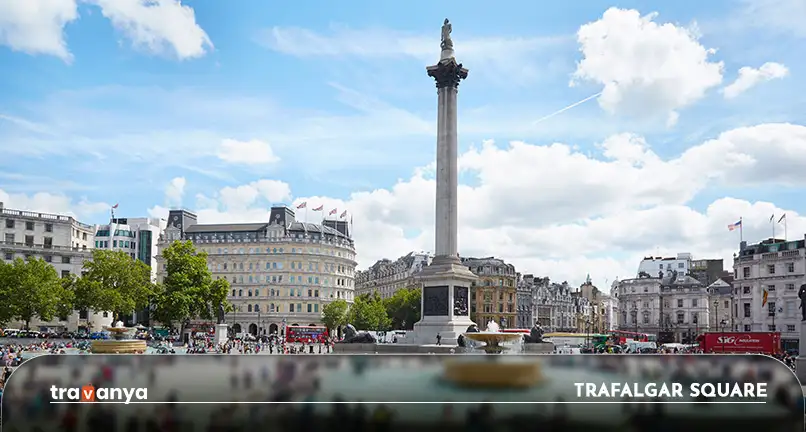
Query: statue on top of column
[447,42]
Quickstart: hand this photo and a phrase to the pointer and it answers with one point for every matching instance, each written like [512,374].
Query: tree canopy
[33,289]
[335,314]
[188,289]
[403,308]
[114,281]
[369,313]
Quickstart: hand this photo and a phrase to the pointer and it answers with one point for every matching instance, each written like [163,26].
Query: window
[48,242]
[727,304]
[680,265]
[49,227]
[790,309]
[29,226]
[771,269]
[790,267]
[48,258]
[693,303]
[646,318]
[29,240]
[310,308]
[679,302]
[747,311]
[790,328]
[9,256]
[745,290]
[747,327]
[770,288]
[694,318]
[646,288]
[790,287]
[9,223]
[770,308]
[65,260]
[746,272]
[316,308]
[65,273]
[9,238]
[770,327]
[680,317]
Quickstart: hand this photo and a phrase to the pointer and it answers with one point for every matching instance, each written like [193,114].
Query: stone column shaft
[447,175]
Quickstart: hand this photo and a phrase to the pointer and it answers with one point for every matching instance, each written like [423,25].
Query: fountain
[495,371]
[121,341]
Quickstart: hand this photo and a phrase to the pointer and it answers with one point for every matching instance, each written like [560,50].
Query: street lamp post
[722,324]
[716,312]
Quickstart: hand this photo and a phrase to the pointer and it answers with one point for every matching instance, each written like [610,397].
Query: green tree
[114,281]
[403,308]
[35,290]
[7,281]
[369,313]
[189,290]
[335,314]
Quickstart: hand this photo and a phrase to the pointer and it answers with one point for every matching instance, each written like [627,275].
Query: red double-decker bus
[622,337]
[305,334]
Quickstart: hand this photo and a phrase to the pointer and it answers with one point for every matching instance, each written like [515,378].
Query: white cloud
[175,191]
[552,210]
[750,77]
[776,15]
[158,26]
[252,152]
[510,57]
[37,26]
[646,68]
[44,202]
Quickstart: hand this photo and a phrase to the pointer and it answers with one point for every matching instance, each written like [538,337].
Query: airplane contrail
[560,111]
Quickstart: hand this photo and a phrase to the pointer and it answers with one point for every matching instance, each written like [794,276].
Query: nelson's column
[446,282]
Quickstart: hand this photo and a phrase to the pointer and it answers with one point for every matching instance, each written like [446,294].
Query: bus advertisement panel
[305,334]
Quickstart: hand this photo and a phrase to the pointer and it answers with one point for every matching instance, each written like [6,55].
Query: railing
[273,240]
[48,216]
[43,247]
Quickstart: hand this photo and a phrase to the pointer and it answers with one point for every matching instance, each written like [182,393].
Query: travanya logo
[89,393]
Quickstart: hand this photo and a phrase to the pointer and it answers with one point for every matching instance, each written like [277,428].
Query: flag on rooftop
[115,206]
[332,212]
[782,218]
[343,214]
[733,226]
[320,208]
[302,205]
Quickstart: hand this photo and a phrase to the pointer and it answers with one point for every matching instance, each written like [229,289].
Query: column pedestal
[221,334]
[445,303]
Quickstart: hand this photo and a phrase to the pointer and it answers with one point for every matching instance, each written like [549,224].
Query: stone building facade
[63,242]
[386,276]
[778,268]
[493,297]
[282,272]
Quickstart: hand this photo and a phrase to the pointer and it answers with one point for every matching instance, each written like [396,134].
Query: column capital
[447,73]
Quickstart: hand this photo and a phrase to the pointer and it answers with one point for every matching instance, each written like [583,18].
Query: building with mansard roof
[282,271]
[386,277]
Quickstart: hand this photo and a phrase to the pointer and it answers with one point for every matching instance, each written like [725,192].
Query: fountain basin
[493,338]
[112,346]
[493,374]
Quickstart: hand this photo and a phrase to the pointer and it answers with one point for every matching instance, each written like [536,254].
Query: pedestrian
[439,339]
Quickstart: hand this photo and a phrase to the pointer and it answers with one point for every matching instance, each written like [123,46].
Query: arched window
[249,308]
[233,293]
[257,308]
[257,292]
[240,293]
[271,307]
[250,293]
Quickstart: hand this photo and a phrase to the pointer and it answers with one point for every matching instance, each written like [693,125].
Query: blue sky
[335,99]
